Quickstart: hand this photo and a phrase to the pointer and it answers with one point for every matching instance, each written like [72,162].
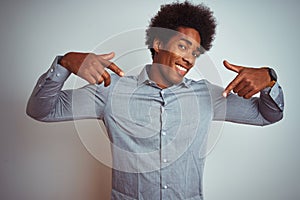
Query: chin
[172,77]
[176,80]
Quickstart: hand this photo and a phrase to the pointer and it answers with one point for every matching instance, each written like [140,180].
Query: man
[158,121]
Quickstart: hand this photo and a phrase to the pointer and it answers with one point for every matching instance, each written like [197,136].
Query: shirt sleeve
[263,110]
[48,102]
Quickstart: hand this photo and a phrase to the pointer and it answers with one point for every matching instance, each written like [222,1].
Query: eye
[196,54]
[182,47]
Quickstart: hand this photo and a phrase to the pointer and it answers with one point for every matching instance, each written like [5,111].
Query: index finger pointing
[110,65]
[232,85]
[115,69]
[232,67]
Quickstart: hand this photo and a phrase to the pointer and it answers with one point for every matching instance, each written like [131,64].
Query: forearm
[49,103]
[47,92]
[263,110]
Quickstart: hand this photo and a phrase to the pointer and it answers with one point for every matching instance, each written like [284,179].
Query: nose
[189,59]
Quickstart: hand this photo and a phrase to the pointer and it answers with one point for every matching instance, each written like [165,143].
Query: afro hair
[175,15]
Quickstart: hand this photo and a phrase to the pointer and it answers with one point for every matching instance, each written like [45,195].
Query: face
[173,60]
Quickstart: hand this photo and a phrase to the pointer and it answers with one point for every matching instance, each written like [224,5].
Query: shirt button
[163,133]
[165,160]
[51,70]
[165,187]
[58,74]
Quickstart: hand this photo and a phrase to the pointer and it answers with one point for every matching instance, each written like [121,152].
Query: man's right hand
[90,66]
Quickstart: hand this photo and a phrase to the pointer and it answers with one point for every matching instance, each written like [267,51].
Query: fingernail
[122,74]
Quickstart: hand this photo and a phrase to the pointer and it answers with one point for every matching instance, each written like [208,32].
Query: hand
[91,67]
[248,82]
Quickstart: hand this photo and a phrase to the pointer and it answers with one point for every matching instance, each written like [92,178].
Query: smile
[181,70]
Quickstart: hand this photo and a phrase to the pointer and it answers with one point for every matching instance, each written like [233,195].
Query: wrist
[273,76]
[272,83]
[62,61]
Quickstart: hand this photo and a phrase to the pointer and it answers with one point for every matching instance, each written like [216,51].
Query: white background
[40,161]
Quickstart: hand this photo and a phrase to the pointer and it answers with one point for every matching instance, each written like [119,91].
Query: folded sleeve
[263,110]
[48,102]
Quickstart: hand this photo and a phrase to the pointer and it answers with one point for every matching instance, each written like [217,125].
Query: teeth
[181,68]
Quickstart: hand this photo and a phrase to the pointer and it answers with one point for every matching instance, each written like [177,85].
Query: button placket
[163,139]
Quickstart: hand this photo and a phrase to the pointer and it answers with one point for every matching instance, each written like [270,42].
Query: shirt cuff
[276,95]
[57,73]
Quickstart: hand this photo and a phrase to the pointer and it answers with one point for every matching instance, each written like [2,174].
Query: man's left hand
[248,82]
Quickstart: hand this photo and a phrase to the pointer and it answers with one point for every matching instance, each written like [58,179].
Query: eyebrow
[190,43]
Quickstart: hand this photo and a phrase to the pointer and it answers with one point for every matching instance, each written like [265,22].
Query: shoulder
[115,79]
[207,86]
[203,83]
[120,83]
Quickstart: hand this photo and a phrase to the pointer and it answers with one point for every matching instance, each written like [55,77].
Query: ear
[156,45]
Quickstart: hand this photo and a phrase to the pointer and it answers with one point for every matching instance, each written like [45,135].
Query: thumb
[232,67]
[107,56]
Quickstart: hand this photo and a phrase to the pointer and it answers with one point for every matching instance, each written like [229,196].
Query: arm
[49,103]
[242,107]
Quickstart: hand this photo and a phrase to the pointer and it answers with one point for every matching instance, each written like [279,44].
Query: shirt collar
[143,78]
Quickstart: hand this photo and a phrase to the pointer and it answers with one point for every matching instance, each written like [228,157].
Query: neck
[155,75]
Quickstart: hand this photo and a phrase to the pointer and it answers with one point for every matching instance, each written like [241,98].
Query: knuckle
[97,77]
[247,96]
[100,79]
[105,74]
[91,81]
[102,71]
[110,65]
